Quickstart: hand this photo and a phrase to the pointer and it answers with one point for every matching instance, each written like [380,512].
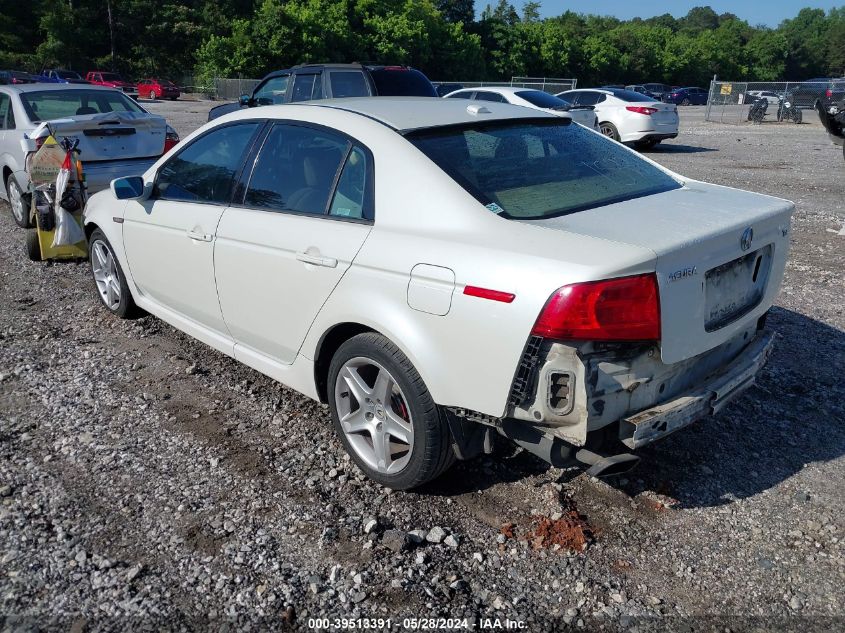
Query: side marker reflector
[486,293]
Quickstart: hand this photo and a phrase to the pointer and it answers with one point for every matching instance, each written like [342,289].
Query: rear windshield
[56,104]
[405,82]
[111,77]
[629,95]
[542,99]
[539,168]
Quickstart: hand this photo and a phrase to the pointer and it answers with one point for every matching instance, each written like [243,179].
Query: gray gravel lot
[147,481]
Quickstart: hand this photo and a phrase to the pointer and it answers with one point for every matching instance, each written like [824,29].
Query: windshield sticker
[495,208]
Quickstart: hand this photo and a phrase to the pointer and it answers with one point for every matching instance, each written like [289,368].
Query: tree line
[443,38]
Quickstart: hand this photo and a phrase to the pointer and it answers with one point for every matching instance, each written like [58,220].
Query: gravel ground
[149,482]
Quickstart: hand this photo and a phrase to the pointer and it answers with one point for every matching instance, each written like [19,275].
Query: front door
[169,238]
[305,214]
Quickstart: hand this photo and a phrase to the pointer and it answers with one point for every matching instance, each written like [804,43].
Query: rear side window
[349,198]
[296,170]
[205,170]
[540,169]
[461,95]
[307,87]
[401,82]
[5,111]
[490,96]
[348,84]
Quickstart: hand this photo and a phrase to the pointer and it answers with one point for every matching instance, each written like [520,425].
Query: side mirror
[245,101]
[129,188]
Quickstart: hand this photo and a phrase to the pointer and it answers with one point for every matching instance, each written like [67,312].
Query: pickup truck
[60,76]
[111,80]
[831,109]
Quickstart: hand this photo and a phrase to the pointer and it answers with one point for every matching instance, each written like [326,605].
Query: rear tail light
[641,110]
[623,309]
[171,139]
[828,93]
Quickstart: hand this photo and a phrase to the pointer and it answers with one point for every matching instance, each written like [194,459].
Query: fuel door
[430,289]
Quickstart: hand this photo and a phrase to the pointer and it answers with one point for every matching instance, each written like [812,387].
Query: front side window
[58,104]
[490,96]
[272,91]
[348,84]
[205,170]
[296,170]
[539,169]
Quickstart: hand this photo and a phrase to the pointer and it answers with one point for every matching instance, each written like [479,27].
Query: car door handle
[317,260]
[201,237]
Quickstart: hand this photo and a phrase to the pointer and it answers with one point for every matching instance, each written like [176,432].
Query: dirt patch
[571,533]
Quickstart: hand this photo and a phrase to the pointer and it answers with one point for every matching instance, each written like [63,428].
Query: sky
[768,12]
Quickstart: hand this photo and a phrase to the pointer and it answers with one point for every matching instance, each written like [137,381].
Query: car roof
[42,87]
[404,114]
[500,89]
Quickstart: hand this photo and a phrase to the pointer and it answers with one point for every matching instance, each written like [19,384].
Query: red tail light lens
[624,309]
[486,293]
[171,139]
[828,93]
[641,110]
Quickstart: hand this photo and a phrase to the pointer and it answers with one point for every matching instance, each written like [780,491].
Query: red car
[158,89]
[111,80]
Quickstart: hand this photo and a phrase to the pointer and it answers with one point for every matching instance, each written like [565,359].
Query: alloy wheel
[16,202]
[374,415]
[105,274]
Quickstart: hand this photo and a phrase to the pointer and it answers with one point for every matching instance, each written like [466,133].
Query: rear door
[280,252]
[307,86]
[347,83]
[169,238]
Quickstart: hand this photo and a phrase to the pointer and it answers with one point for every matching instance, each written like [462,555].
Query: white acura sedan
[440,272]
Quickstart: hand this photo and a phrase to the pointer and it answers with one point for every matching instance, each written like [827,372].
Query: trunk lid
[720,253]
[110,135]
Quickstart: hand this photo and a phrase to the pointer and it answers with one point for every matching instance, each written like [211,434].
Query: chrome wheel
[105,274]
[374,415]
[16,202]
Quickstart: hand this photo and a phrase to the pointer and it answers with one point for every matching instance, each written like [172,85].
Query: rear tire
[19,202]
[609,130]
[33,247]
[109,280]
[385,416]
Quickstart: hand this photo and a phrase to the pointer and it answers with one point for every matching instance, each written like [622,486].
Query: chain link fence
[226,89]
[738,102]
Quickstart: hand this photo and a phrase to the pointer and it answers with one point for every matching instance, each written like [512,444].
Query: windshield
[539,168]
[542,99]
[57,104]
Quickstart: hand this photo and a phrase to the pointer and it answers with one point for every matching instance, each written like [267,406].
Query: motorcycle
[758,110]
[788,111]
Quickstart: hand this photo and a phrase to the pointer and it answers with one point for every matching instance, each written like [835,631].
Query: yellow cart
[44,166]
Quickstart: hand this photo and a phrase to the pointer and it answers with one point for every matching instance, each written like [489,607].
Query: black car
[808,93]
[15,77]
[332,81]
[658,90]
[831,111]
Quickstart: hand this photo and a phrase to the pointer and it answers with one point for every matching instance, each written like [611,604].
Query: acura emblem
[746,239]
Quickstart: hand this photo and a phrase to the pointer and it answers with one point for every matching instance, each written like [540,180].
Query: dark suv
[808,93]
[831,109]
[332,81]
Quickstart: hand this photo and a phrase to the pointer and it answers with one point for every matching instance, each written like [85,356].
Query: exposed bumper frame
[722,387]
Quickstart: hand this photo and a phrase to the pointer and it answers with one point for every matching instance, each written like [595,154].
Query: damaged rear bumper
[723,387]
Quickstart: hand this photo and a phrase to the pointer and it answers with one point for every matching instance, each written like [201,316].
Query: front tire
[385,416]
[33,247]
[609,130]
[109,280]
[19,202]
[685,102]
